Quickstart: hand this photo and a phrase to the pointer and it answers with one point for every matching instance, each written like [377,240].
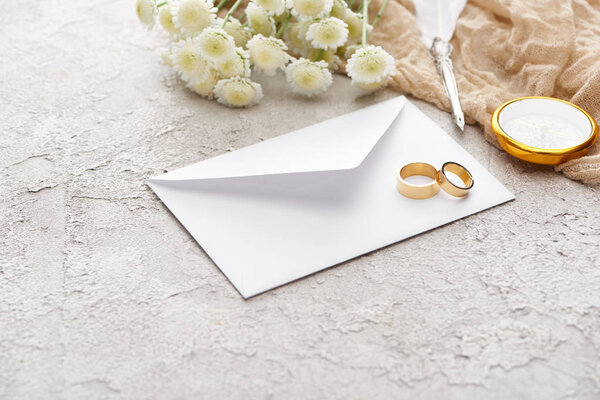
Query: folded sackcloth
[505,49]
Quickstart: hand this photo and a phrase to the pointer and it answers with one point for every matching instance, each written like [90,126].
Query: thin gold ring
[418,192]
[459,171]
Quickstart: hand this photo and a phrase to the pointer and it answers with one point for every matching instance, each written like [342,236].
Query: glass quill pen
[437,20]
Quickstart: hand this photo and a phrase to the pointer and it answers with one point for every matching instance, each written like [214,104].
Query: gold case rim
[538,155]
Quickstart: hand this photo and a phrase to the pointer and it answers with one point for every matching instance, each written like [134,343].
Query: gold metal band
[418,192]
[459,171]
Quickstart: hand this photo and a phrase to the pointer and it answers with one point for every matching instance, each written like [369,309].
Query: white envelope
[290,206]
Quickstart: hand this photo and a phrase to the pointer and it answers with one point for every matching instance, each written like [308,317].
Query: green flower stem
[231,10]
[159,5]
[283,26]
[221,4]
[241,18]
[365,13]
[380,13]
[320,55]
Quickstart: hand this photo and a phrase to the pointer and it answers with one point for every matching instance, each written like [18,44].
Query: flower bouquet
[307,39]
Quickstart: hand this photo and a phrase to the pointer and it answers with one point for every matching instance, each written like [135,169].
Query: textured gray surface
[105,296]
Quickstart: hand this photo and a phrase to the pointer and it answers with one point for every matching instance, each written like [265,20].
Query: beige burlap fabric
[505,49]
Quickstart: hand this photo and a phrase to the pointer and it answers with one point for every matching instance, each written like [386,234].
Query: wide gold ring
[459,171]
[418,192]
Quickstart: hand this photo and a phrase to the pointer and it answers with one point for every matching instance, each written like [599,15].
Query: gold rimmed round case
[544,130]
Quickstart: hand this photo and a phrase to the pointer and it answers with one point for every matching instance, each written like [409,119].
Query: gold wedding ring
[418,192]
[459,171]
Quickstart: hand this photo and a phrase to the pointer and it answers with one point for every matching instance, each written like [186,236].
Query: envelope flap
[339,143]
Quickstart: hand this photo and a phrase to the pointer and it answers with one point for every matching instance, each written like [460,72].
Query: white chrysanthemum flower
[310,8]
[354,24]
[294,37]
[167,56]
[188,61]
[145,11]
[237,65]
[267,53]
[206,87]
[276,7]
[166,20]
[308,77]
[238,92]
[216,44]
[339,9]
[259,20]
[193,16]
[328,33]
[370,64]
[239,33]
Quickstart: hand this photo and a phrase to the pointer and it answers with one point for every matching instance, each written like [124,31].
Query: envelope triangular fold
[335,144]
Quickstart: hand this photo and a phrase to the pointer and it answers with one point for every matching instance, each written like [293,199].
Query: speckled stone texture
[103,294]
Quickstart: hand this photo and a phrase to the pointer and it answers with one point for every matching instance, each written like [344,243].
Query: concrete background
[103,295]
